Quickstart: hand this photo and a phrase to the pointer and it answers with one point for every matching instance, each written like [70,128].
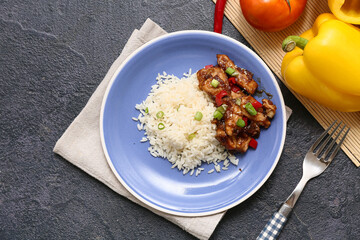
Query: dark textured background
[53,54]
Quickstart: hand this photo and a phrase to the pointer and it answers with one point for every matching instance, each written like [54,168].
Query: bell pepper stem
[293,41]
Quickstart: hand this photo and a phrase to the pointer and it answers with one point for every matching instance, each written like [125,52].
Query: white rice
[233,160]
[180,99]
[144,139]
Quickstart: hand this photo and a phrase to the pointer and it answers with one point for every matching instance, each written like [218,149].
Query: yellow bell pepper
[325,65]
[346,10]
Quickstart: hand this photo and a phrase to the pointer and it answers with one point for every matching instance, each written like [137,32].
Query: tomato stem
[293,41]
[288,3]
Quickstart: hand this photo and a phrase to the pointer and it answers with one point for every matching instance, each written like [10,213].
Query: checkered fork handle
[273,227]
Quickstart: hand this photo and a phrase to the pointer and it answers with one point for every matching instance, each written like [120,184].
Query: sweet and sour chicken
[239,115]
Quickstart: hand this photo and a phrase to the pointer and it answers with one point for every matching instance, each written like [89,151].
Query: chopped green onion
[240,123]
[230,71]
[146,110]
[238,101]
[218,115]
[235,74]
[214,83]
[160,114]
[222,109]
[191,136]
[161,126]
[250,109]
[198,116]
[177,109]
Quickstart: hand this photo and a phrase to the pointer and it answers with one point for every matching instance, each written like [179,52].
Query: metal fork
[314,164]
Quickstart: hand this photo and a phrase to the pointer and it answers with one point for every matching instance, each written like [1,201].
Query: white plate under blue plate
[152,180]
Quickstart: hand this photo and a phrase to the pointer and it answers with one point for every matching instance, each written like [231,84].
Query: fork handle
[273,227]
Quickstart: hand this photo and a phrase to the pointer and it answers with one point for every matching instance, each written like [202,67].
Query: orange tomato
[272,15]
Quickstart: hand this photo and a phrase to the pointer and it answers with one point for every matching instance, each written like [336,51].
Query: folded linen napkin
[81,144]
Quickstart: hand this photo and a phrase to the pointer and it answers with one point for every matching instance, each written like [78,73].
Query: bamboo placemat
[268,47]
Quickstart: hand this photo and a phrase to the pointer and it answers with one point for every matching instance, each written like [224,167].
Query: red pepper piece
[235,89]
[219,96]
[209,66]
[253,143]
[245,120]
[219,15]
[232,80]
[256,104]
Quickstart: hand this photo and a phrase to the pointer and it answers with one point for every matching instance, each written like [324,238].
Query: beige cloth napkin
[81,145]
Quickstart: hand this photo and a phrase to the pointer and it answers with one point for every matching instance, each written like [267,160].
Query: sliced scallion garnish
[198,116]
[222,109]
[250,109]
[191,136]
[218,115]
[160,114]
[235,74]
[215,83]
[240,123]
[161,126]
[230,71]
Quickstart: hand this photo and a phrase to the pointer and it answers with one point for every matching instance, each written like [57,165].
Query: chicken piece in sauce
[269,107]
[259,118]
[205,76]
[243,77]
[239,142]
[228,132]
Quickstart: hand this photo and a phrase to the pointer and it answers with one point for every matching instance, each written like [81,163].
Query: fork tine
[316,143]
[332,144]
[323,145]
[338,146]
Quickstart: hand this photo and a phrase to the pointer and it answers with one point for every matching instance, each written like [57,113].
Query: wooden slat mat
[268,47]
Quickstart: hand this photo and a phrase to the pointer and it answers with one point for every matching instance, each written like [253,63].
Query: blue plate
[152,180]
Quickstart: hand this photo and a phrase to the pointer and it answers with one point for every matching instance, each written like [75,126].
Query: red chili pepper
[256,104]
[253,143]
[219,15]
[209,66]
[235,89]
[219,96]
[245,120]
